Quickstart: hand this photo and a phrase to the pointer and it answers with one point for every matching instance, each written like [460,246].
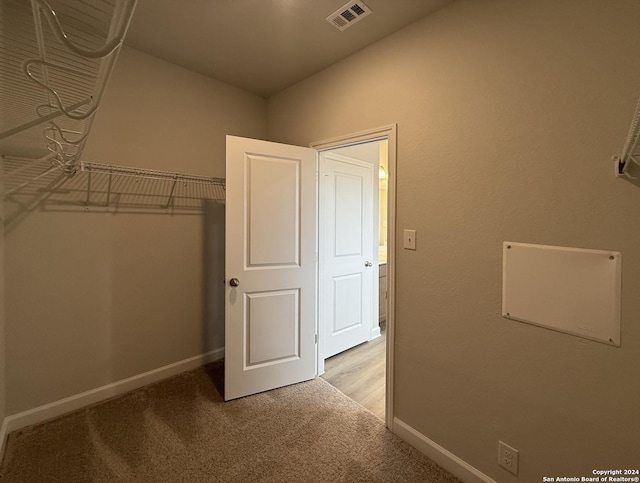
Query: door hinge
[316,338]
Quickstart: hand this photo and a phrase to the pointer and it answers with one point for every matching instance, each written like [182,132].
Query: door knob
[234,282]
[368,264]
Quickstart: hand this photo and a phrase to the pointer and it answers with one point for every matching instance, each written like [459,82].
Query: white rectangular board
[571,290]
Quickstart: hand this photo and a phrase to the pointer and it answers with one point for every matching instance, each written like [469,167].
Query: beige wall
[93,298]
[508,113]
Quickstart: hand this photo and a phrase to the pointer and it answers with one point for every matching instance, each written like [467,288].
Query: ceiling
[262,46]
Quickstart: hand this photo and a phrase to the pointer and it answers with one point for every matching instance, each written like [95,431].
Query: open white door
[270,266]
[349,257]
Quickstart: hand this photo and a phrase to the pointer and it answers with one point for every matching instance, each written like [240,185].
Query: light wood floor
[360,373]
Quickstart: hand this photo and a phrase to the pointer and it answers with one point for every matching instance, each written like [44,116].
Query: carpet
[181,430]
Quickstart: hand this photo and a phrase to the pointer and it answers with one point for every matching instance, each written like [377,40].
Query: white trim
[93,396]
[356,138]
[389,132]
[439,455]
[3,437]
[392,139]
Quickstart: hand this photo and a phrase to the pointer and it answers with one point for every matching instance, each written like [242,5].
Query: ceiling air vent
[348,14]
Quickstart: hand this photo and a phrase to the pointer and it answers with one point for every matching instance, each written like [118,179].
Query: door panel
[269,312]
[270,243]
[347,297]
[348,218]
[273,237]
[348,214]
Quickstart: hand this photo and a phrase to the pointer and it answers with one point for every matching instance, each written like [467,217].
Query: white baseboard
[78,401]
[3,437]
[438,454]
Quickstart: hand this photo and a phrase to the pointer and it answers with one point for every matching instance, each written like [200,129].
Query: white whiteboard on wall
[571,290]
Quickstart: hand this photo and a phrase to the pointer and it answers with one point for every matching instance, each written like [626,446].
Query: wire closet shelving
[104,188]
[55,61]
[631,151]
[56,57]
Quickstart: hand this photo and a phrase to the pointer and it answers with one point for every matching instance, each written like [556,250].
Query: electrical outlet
[508,457]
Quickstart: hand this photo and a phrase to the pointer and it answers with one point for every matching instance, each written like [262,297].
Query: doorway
[257,357]
[361,368]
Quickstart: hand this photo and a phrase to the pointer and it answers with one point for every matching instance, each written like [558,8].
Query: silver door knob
[234,282]
[368,264]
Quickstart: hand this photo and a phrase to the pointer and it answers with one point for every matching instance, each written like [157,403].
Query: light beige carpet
[180,430]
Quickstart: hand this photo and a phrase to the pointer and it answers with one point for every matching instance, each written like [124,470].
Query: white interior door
[349,258]
[270,266]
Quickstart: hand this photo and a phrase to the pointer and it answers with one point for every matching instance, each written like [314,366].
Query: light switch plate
[409,239]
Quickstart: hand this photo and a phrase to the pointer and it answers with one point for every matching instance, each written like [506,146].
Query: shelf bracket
[109,189]
[173,187]
[88,189]
[622,166]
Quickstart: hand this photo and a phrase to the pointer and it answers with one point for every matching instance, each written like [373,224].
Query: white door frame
[389,133]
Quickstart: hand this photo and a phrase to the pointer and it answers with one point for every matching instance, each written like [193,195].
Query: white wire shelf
[115,170]
[104,187]
[164,188]
[630,155]
[56,57]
